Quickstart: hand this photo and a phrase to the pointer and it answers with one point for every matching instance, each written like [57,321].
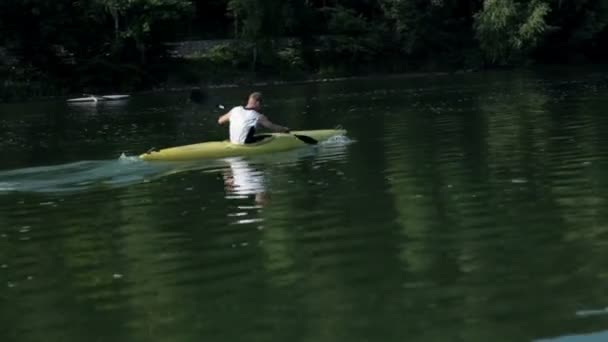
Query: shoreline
[368,77]
[272,81]
[303,81]
[248,83]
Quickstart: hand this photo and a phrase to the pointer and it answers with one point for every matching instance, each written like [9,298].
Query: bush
[227,55]
[100,74]
[23,82]
[290,59]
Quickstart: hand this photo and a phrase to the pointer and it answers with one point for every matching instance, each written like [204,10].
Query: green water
[458,208]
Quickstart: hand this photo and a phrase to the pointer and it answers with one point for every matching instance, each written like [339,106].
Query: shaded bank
[21,84]
[195,77]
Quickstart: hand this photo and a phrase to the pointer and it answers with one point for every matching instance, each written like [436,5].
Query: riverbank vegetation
[71,46]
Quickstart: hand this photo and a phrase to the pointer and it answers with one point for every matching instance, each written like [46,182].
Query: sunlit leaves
[506,29]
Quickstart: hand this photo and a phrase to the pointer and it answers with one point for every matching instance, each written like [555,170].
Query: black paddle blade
[306,139]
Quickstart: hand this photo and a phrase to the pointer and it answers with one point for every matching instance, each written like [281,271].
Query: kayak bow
[273,142]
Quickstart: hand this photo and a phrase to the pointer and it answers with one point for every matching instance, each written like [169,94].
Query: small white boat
[115,97]
[94,98]
[86,99]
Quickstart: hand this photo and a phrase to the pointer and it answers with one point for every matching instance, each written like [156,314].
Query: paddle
[303,138]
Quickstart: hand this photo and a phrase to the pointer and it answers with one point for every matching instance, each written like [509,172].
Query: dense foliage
[80,45]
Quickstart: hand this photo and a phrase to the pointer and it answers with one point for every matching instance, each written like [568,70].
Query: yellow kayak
[273,142]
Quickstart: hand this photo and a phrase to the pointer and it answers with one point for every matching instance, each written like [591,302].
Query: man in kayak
[245,120]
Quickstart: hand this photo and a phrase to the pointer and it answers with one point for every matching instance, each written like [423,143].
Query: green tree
[260,23]
[137,19]
[407,17]
[508,30]
[352,40]
[117,9]
[581,25]
[436,30]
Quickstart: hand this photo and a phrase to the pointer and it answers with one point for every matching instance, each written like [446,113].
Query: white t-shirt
[241,121]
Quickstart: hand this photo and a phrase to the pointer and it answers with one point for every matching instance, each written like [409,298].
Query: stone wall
[193,48]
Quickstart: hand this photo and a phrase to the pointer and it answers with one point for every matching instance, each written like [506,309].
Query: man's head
[255,101]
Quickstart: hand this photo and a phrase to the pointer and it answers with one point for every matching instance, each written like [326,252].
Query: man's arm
[224,118]
[263,120]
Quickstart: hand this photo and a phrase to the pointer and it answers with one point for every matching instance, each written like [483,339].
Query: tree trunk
[116,33]
[114,14]
[236,24]
[142,51]
[255,56]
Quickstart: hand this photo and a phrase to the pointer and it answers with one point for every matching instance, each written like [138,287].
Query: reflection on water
[242,180]
[470,208]
[592,337]
[78,176]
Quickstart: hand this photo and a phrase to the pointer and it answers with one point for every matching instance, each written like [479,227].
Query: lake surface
[457,208]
